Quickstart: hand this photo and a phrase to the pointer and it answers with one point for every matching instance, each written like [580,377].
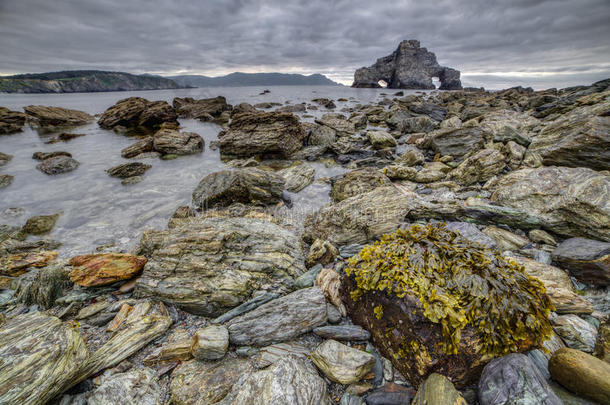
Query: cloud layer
[544,43]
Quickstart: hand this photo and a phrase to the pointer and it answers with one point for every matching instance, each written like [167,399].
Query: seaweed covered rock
[436,302]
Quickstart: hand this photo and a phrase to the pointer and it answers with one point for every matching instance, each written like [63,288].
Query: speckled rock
[582,374]
[297,177]
[337,122]
[139,385]
[505,240]
[322,252]
[456,142]
[40,224]
[99,269]
[342,363]
[170,141]
[211,265]
[211,342]
[42,286]
[575,332]
[279,320]
[381,139]
[57,165]
[142,146]
[290,381]
[342,332]
[514,379]
[5,180]
[480,167]
[358,182]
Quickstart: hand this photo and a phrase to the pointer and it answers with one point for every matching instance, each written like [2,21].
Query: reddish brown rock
[15,265]
[94,270]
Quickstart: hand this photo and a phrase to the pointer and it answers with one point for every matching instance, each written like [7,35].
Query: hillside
[254,79]
[82,81]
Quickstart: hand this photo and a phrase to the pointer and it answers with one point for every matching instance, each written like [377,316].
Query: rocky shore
[464,257]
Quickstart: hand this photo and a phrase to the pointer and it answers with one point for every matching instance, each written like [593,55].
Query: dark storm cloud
[528,39]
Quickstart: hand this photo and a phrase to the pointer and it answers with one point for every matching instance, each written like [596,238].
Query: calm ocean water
[96,209]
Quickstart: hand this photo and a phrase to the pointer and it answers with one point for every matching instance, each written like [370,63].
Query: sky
[494,43]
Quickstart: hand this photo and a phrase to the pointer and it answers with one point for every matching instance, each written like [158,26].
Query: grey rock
[358,182]
[144,145]
[138,384]
[307,279]
[128,170]
[297,177]
[479,167]
[211,342]
[5,180]
[472,233]
[338,123]
[349,399]
[381,139]
[389,394]
[342,332]
[341,363]
[456,142]
[575,332]
[279,320]
[58,165]
[409,67]
[333,313]
[270,354]
[173,142]
[587,260]
[514,379]
[204,109]
[249,305]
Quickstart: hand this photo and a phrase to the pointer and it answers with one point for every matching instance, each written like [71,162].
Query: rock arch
[408,67]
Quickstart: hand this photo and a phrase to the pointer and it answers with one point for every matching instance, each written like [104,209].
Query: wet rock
[271,354]
[381,139]
[17,264]
[132,180]
[279,320]
[324,102]
[398,172]
[602,347]
[342,332]
[358,182]
[411,157]
[211,265]
[389,394]
[248,185]
[127,170]
[202,109]
[136,112]
[457,142]
[341,363]
[4,158]
[514,379]
[319,135]
[93,270]
[5,180]
[53,117]
[338,123]
[582,374]
[322,252]
[418,125]
[11,121]
[480,167]
[587,260]
[196,382]
[291,380]
[293,108]
[262,134]
[64,137]
[211,342]
[48,155]
[297,177]
[575,332]
[169,141]
[577,139]
[472,233]
[40,224]
[558,287]
[137,384]
[58,165]
[308,278]
[142,146]
[42,287]
[438,390]
[505,240]
[571,201]
[39,358]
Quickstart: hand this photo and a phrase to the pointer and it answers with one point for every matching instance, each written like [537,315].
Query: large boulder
[338,123]
[291,380]
[40,357]
[571,201]
[582,374]
[172,142]
[455,142]
[435,302]
[58,165]
[249,185]
[515,380]
[53,117]
[358,182]
[479,167]
[203,109]
[408,67]
[587,260]
[138,384]
[272,134]
[210,265]
[11,121]
[298,177]
[136,112]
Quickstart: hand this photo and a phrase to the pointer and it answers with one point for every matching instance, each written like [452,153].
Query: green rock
[40,224]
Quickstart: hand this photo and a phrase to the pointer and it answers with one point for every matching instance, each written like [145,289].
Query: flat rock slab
[211,265]
[45,117]
[99,269]
[342,332]
[280,320]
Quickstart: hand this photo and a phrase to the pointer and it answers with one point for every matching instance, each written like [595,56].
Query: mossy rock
[436,302]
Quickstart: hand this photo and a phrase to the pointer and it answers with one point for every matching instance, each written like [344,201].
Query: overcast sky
[494,43]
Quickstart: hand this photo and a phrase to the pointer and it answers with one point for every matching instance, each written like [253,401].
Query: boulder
[571,201]
[142,146]
[5,180]
[176,346]
[506,240]
[479,167]
[358,182]
[587,260]
[98,269]
[411,157]
[48,155]
[248,186]
[582,374]
[514,379]
[381,139]
[54,117]
[341,363]
[322,252]
[575,332]
[210,265]
[137,384]
[58,165]
[4,158]
[297,177]
[136,112]
[42,286]
[338,123]
[279,320]
[40,357]
[558,286]
[11,121]
[408,67]
[406,290]
[196,382]
[211,342]
[577,139]
[202,109]
[40,224]
[291,380]
[438,390]
[172,142]
[128,170]
[455,142]
[319,135]
[272,134]
[602,346]
[436,112]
